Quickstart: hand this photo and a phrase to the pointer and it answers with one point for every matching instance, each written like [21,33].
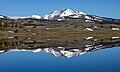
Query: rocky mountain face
[68,14]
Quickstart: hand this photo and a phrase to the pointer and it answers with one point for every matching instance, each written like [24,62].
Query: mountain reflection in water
[57,46]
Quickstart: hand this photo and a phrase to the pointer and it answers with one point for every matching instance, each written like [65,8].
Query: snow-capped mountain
[54,15]
[68,14]
[74,14]
[64,13]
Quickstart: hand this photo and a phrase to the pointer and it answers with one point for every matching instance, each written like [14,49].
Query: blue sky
[106,8]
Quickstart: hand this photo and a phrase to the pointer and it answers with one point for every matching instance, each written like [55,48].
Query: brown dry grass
[92,34]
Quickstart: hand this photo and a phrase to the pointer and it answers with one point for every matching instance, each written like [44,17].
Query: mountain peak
[68,9]
[67,12]
[63,13]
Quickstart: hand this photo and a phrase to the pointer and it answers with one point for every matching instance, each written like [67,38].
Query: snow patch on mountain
[89,18]
[47,16]
[1,17]
[18,17]
[68,12]
[52,15]
[23,17]
[36,17]
[55,13]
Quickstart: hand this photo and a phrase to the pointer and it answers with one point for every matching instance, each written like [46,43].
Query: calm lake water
[94,57]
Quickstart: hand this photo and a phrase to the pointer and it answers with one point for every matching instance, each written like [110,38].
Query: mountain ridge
[68,14]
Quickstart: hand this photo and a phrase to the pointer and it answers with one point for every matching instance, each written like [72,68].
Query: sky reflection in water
[98,61]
